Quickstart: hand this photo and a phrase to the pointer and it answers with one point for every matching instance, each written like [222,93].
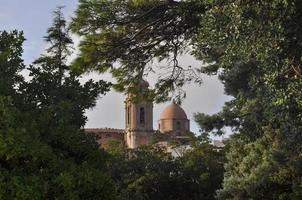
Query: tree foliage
[150,173]
[254,47]
[43,152]
[11,63]
[132,34]
[257,47]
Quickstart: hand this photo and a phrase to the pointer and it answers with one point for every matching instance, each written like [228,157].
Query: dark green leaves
[44,154]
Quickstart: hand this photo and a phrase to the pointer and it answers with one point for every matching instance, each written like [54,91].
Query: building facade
[172,125]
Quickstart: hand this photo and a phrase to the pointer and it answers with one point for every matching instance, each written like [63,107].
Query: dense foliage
[258,47]
[43,152]
[254,47]
[149,172]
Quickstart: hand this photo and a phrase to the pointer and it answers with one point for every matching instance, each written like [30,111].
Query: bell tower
[138,118]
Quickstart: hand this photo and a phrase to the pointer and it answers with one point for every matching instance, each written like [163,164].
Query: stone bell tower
[139,119]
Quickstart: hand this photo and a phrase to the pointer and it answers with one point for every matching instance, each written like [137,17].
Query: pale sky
[35,16]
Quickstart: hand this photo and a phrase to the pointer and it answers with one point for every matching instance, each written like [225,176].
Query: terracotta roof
[173,111]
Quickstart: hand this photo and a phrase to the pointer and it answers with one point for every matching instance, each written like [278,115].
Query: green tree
[254,47]
[133,33]
[150,173]
[11,63]
[203,165]
[43,152]
[257,48]
[54,88]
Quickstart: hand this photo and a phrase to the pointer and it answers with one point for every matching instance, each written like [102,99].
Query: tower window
[128,115]
[178,125]
[142,115]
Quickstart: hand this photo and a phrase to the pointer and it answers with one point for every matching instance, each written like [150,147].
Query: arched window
[142,115]
[178,125]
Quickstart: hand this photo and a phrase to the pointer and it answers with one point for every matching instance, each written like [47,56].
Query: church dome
[173,111]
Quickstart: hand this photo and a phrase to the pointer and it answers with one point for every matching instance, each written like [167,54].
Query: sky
[35,16]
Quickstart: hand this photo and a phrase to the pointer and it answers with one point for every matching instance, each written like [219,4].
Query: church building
[173,124]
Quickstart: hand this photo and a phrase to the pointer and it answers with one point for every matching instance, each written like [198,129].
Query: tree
[203,165]
[257,47]
[150,173]
[133,33]
[254,47]
[43,152]
[54,86]
[11,63]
